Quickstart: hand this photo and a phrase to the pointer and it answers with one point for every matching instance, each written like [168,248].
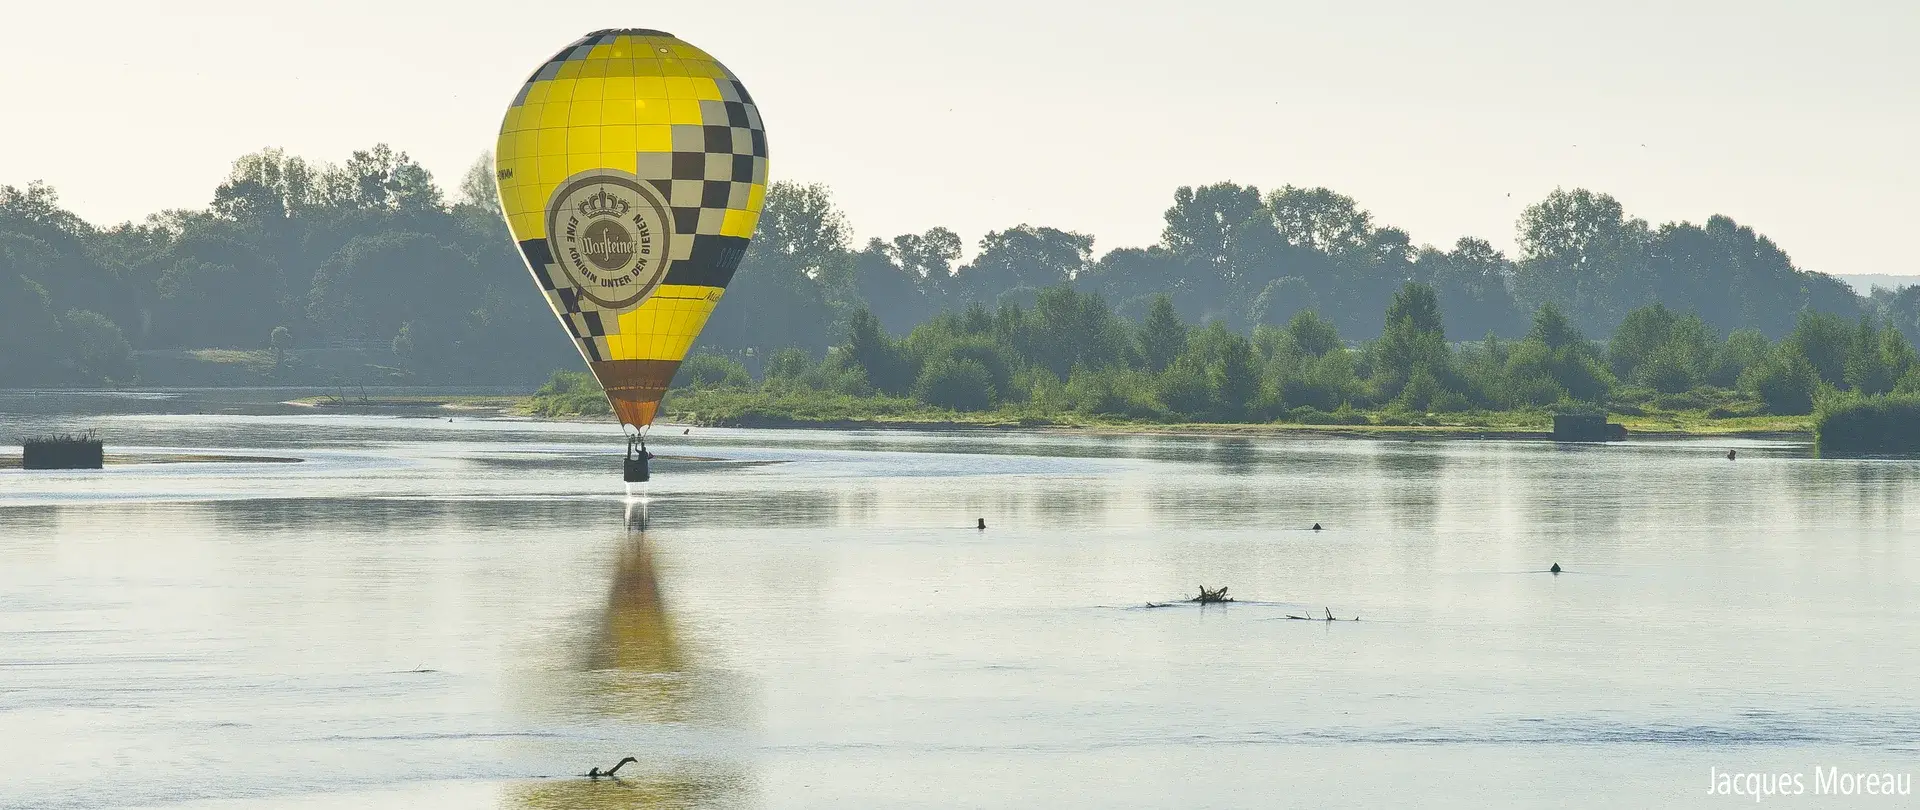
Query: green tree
[960,384]
[1313,336]
[1743,349]
[1326,383]
[1162,337]
[1232,382]
[1205,222]
[1321,220]
[1785,381]
[101,355]
[1644,331]
[1281,300]
[788,364]
[1021,260]
[1471,282]
[381,179]
[1667,370]
[1069,329]
[1184,388]
[886,366]
[1824,340]
[1867,370]
[479,187]
[1414,339]
[1552,328]
[1556,351]
[29,333]
[1580,251]
[712,371]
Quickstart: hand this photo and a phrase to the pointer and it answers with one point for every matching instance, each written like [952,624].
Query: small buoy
[983,524]
[1731,454]
[1555,569]
[1316,527]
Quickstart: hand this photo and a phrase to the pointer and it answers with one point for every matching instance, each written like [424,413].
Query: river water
[471,613]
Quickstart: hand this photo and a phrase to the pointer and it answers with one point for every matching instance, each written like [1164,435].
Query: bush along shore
[1070,360]
[1855,425]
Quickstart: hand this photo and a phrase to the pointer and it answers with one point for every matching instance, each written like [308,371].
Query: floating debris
[1212,597]
[1328,618]
[596,773]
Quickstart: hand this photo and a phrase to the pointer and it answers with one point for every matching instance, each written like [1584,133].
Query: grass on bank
[743,404]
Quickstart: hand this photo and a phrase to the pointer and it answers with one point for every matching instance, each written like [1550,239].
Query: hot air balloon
[631,168]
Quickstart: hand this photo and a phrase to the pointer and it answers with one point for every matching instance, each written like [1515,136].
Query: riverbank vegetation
[1071,360]
[1853,425]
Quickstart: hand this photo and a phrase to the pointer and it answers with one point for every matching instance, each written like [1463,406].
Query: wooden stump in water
[1214,596]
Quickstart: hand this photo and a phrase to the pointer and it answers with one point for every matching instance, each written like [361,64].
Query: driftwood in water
[596,773]
[1328,618]
[1212,597]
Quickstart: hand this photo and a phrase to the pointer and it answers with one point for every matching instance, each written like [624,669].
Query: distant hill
[1864,284]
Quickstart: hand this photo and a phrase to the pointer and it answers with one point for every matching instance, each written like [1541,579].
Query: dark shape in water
[1316,527]
[1586,427]
[1329,617]
[983,524]
[63,452]
[1555,570]
[596,773]
[1210,597]
[1731,454]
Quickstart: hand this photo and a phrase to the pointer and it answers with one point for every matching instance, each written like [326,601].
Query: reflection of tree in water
[1234,456]
[792,508]
[635,667]
[390,515]
[1413,474]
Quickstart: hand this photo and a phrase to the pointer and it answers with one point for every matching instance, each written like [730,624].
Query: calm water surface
[425,613]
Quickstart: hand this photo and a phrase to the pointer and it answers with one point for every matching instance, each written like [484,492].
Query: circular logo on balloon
[610,234]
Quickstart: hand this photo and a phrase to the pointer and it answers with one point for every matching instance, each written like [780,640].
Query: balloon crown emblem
[604,204]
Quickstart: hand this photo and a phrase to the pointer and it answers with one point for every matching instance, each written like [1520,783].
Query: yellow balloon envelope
[632,167]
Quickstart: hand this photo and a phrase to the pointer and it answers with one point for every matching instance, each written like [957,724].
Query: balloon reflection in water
[635,668]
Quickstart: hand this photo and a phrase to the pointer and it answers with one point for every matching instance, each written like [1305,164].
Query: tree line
[370,266]
[366,260]
[1071,352]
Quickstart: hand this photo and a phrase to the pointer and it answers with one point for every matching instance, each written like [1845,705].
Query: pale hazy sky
[1800,119]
